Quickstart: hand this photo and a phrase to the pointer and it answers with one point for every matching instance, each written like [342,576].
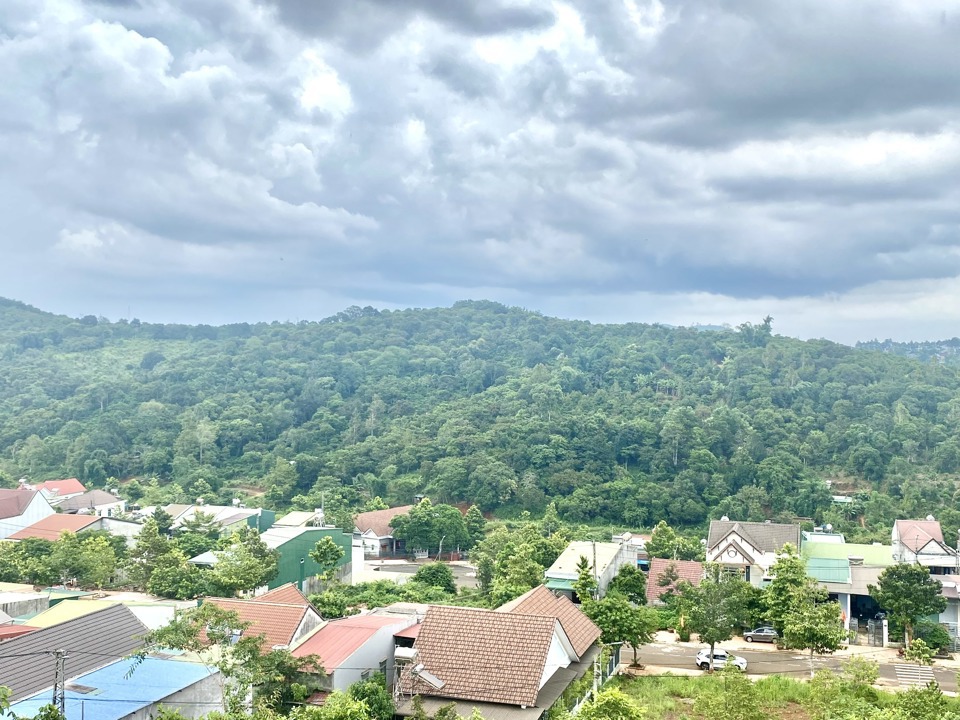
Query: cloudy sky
[683,161]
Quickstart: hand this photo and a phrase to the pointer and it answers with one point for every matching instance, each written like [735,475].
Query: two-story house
[749,548]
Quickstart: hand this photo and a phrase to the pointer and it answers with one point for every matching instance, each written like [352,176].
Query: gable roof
[915,534]
[566,563]
[276,622]
[295,518]
[483,655]
[580,629]
[89,499]
[689,570]
[50,527]
[766,537]
[91,641]
[70,486]
[378,521]
[285,594]
[13,503]
[339,639]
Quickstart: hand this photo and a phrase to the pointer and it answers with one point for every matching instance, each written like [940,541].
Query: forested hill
[944,351]
[627,424]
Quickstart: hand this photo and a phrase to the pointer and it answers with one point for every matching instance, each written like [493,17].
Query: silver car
[762,634]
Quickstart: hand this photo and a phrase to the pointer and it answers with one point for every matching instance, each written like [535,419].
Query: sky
[683,162]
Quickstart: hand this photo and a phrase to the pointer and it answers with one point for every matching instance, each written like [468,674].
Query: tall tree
[908,592]
[790,587]
[327,554]
[717,606]
[813,626]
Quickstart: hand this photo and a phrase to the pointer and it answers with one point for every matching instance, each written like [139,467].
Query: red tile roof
[286,594]
[482,655]
[689,570]
[339,639]
[379,520]
[50,527]
[62,487]
[276,622]
[580,629]
[13,503]
[914,534]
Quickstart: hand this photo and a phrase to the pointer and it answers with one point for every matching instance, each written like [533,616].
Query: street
[770,661]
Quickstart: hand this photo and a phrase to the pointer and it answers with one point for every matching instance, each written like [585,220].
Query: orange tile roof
[379,520]
[62,487]
[482,655]
[580,629]
[286,594]
[276,622]
[50,527]
[914,534]
[689,570]
[339,639]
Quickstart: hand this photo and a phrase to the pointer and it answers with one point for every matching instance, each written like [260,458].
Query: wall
[16,604]
[37,510]
[369,656]
[199,699]
[299,547]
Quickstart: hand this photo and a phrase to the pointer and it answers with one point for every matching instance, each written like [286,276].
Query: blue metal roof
[106,694]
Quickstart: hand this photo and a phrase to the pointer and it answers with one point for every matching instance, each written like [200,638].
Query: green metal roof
[881,555]
[559,584]
[829,570]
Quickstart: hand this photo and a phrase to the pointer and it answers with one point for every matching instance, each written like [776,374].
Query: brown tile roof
[14,502]
[50,527]
[482,655]
[285,594]
[766,537]
[276,622]
[88,500]
[379,520]
[69,486]
[914,534]
[580,629]
[689,570]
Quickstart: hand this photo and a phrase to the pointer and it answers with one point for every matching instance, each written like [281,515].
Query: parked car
[720,659]
[762,634]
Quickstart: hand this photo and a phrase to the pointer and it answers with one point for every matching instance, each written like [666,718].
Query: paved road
[772,662]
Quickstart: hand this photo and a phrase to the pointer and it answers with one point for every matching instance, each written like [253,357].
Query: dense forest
[618,424]
[945,351]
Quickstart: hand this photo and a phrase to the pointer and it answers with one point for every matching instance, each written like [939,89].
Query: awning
[559,584]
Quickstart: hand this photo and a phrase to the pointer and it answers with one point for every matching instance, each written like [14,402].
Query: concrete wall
[195,701]
[377,649]
[16,604]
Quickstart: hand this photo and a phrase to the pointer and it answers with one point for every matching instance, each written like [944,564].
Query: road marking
[913,675]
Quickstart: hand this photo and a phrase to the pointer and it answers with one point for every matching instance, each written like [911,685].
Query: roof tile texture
[483,655]
[580,629]
[379,520]
[286,594]
[689,570]
[914,534]
[50,527]
[766,537]
[276,622]
[14,502]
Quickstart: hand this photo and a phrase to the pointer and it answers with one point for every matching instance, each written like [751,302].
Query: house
[354,648]
[20,508]
[56,491]
[921,541]
[638,545]
[94,502]
[749,548]
[282,624]
[51,527]
[664,576]
[604,559]
[845,571]
[300,518]
[376,531]
[295,565]
[505,663]
[229,518]
[92,641]
[119,691]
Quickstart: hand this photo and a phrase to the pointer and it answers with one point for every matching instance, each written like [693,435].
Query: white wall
[37,510]
[557,657]
[370,655]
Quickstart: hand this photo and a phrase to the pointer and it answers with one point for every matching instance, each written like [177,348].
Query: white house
[749,548]
[921,541]
[604,559]
[354,648]
[21,508]
[375,529]
[56,491]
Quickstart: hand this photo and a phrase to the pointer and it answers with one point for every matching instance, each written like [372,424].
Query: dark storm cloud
[258,154]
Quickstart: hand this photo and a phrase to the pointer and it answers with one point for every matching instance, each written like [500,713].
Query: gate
[875,633]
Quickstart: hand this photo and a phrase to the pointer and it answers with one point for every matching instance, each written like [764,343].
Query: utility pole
[596,576]
[59,681]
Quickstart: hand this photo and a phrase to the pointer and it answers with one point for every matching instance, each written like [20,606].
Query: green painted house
[294,545]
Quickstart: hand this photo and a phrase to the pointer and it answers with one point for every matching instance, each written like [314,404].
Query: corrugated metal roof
[566,564]
[50,527]
[92,641]
[68,610]
[114,695]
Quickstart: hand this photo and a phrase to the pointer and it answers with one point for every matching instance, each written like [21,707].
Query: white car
[720,659]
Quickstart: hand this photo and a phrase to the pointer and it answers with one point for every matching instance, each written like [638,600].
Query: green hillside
[624,424]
